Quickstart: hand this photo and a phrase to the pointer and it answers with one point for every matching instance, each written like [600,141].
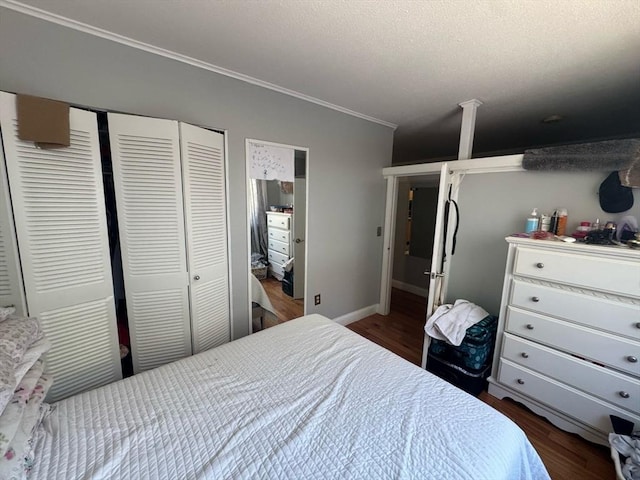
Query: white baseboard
[357,315]
[407,287]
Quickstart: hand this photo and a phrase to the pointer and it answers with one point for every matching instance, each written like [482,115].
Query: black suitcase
[472,382]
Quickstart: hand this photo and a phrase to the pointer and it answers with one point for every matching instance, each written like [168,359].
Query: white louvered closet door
[206,220]
[147,177]
[11,289]
[59,212]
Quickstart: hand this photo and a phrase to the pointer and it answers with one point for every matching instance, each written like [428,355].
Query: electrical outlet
[379,232]
[316,299]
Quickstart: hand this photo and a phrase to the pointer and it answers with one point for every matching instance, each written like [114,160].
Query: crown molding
[130,42]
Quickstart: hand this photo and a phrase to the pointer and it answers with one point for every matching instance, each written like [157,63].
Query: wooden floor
[566,456]
[286,307]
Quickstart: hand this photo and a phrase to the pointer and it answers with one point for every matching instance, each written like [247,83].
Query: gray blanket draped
[610,155]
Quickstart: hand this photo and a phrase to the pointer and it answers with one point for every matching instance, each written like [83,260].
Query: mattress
[305,399]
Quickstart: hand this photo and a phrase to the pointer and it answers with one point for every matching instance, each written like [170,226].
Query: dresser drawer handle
[632,359]
[524,355]
[624,394]
[530,327]
[638,325]
[520,381]
[535,299]
[540,265]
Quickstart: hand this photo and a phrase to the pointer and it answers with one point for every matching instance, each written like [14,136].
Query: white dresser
[280,238]
[568,344]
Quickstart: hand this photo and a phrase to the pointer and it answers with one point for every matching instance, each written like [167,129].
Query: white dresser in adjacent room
[280,248]
[568,344]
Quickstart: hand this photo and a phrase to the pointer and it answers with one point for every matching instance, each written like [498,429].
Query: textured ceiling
[411,62]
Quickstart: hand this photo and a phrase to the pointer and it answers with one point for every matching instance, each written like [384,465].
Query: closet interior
[122,319]
[117,243]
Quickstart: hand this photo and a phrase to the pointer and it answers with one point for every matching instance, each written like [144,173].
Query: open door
[299,234]
[437,273]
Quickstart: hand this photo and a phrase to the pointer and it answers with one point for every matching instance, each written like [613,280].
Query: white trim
[357,315]
[412,170]
[274,144]
[114,37]
[306,230]
[247,217]
[388,244]
[504,163]
[407,287]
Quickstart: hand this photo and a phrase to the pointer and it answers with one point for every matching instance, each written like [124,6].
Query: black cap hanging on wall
[615,197]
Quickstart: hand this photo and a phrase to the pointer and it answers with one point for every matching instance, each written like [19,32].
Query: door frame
[457,169]
[248,220]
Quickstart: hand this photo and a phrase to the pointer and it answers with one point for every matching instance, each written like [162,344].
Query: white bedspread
[259,295]
[306,399]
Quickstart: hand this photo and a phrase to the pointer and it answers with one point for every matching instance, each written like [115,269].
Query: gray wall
[495,205]
[345,185]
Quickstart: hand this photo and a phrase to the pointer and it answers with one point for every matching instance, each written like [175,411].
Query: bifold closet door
[206,220]
[11,288]
[59,211]
[148,185]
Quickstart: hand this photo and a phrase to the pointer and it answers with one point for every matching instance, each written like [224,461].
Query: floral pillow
[12,415]
[16,336]
[18,459]
[5,312]
[35,351]
[7,380]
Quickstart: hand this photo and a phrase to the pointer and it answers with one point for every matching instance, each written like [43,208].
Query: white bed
[306,399]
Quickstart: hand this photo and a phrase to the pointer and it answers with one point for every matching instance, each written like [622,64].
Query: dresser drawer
[600,347]
[278,221]
[602,313]
[571,402]
[279,247]
[600,273]
[277,257]
[601,382]
[277,270]
[279,235]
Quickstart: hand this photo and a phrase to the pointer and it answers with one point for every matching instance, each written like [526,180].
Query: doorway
[398,229]
[277,224]
[415,226]
[450,175]
[438,271]
[415,218]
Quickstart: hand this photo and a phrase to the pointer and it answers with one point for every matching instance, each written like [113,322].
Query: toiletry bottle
[545,222]
[553,224]
[533,221]
[561,225]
